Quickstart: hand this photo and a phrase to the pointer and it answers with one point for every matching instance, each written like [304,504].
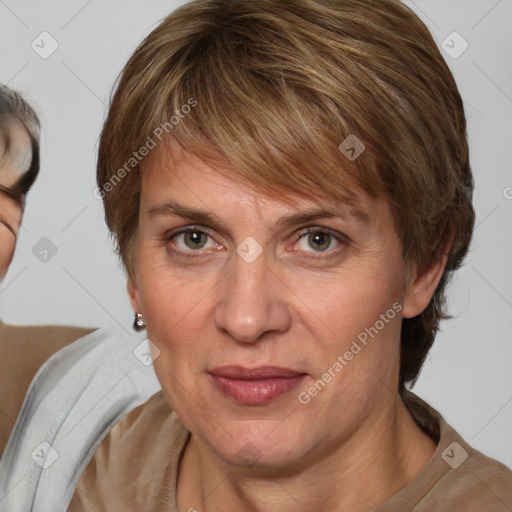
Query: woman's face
[277,325]
[11,168]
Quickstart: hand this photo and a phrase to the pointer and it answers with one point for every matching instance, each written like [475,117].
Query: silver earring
[138,323]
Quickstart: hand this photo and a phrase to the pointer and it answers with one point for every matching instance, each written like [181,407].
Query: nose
[252,301]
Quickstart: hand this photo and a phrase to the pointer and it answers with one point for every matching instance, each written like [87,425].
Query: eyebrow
[204,217]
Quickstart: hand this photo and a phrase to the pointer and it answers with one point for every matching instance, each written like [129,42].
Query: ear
[133,293]
[422,288]
[422,285]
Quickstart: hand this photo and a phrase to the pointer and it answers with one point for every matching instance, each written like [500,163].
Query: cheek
[348,303]
[7,244]
[178,316]
[176,308]
[356,327]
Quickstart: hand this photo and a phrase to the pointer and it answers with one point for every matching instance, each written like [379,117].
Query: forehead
[180,178]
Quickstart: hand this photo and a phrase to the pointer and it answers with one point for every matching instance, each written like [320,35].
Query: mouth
[255,386]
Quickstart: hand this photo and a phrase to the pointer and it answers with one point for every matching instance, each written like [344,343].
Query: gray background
[468,375]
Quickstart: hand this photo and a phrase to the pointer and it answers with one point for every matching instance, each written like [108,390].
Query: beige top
[23,351]
[135,468]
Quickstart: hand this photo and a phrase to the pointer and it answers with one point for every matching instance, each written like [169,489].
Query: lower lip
[256,392]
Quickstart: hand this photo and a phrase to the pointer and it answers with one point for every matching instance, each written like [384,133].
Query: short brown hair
[278,85]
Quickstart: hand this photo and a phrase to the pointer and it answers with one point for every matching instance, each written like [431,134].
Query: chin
[250,449]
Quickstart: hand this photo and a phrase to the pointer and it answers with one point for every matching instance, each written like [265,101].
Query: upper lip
[259,372]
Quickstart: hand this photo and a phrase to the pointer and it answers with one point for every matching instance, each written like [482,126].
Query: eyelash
[342,239]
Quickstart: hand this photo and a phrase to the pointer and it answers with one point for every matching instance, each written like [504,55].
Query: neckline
[427,418]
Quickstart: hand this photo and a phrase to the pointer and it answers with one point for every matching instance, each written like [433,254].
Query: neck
[381,458]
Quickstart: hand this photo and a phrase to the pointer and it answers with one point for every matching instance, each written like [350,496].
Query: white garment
[72,403]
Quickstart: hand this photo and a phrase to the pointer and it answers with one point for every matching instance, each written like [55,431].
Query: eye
[192,239]
[319,240]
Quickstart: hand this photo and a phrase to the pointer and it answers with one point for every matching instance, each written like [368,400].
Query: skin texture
[354,444]
[11,168]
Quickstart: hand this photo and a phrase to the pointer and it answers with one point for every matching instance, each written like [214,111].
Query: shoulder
[470,481]
[457,477]
[78,395]
[136,462]
[24,350]
[474,482]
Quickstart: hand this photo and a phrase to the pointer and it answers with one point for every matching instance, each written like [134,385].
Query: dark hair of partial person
[278,85]
[14,108]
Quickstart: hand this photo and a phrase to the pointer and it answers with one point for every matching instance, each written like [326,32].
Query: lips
[260,372]
[255,386]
